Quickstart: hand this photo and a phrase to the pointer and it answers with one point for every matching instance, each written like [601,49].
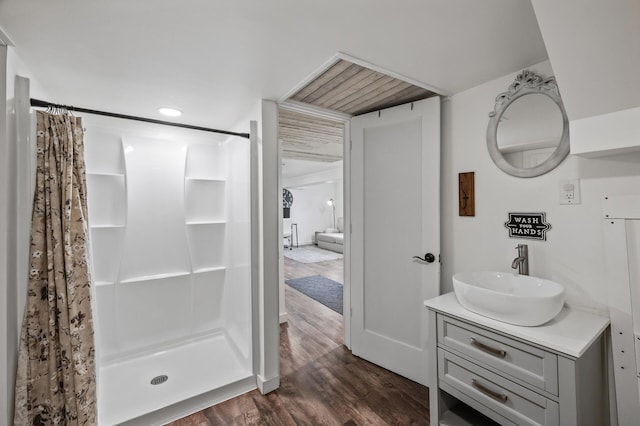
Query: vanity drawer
[502,396]
[532,365]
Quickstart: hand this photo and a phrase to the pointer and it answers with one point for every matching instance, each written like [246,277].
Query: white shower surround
[169,215]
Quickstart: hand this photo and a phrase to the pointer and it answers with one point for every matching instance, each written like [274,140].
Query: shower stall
[170,234]
[172,216]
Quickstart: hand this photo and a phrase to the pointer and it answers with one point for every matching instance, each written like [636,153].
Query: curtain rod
[45,104]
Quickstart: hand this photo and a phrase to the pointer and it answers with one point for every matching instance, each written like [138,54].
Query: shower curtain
[56,376]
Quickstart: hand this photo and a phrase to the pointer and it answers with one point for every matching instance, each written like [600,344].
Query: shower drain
[158,380]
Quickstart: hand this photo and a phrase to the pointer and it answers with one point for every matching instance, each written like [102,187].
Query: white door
[395,166]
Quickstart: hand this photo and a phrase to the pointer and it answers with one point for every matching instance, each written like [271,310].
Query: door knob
[429,258]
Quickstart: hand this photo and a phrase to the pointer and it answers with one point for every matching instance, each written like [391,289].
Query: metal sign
[532,226]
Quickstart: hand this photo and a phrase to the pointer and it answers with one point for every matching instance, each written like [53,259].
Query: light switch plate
[569,191]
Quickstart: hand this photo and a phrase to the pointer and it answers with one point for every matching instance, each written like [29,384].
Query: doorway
[311,168]
[346,88]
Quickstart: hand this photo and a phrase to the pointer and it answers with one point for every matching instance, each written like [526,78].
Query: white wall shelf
[206,161]
[607,134]
[104,283]
[207,222]
[103,152]
[106,198]
[213,269]
[205,179]
[107,226]
[154,277]
[204,200]
[106,174]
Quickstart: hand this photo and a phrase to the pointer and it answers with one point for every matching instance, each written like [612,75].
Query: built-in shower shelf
[110,174]
[204,200]
[106,198]
[154,277]
[207,222]
[206,179]
[107,226]
[101,283]
[211,269]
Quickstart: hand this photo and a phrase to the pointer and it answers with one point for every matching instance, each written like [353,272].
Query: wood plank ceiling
[305,137]
[355,90]
[345,87]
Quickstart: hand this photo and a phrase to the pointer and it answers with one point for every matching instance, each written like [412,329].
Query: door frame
[6,334]
[346,187]
[285,102]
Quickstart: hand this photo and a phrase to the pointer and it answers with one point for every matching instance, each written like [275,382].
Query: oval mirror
[528,133]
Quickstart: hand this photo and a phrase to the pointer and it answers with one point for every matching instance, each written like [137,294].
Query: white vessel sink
[507,297]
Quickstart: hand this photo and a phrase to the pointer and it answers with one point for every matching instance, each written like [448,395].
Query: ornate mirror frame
[527,83]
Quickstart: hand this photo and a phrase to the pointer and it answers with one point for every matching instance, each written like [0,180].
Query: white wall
[266,210]
[271,292]
[311,211]
[4,246]
[597,63]
[593,46]
[311,192]
[573,253]
[238,321]
[15,202]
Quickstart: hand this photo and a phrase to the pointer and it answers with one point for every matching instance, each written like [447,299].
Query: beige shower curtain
[56,377]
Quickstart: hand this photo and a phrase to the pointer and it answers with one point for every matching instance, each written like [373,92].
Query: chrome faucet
[522,261]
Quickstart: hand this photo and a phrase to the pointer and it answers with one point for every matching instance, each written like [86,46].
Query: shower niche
[170,253]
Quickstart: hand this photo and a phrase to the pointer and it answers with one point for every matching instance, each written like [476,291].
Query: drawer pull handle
[493,394]
[493,351]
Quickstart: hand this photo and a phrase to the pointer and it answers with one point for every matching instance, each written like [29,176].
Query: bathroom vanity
[489,372]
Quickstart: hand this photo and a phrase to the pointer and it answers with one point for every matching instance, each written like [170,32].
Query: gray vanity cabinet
[488,372]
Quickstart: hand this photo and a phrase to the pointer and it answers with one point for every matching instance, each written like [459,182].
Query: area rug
[311,254]
[321,289]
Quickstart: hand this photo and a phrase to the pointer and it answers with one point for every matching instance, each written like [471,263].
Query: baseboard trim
[269,385]
[284,318]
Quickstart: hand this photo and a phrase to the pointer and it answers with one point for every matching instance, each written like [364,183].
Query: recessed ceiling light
[170,112]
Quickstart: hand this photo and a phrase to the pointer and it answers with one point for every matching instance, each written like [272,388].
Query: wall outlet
[569,191]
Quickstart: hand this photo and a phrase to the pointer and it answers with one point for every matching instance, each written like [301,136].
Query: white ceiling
[215,59]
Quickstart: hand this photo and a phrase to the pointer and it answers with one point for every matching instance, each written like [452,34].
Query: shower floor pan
[126,390]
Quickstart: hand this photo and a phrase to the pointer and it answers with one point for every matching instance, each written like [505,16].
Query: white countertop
[570,333]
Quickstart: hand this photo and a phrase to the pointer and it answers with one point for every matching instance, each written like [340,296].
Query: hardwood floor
[332,269]
[322,383]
